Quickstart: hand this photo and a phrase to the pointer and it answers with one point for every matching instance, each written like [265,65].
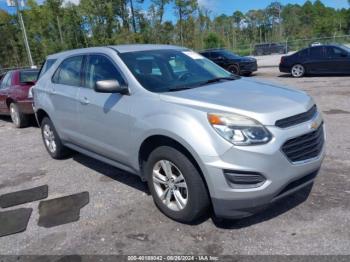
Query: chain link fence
[293,45]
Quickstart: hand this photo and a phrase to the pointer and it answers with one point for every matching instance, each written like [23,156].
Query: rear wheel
[234,69]
[177,187]
[52,142]
[19,119]
[298,70]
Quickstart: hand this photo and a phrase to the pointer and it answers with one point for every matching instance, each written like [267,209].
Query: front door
[103,118]
[317,62]
[339,60]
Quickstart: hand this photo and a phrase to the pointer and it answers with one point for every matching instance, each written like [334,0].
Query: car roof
[119,49]
[212,50]
[325,45]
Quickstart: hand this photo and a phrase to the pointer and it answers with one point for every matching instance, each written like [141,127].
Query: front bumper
[248,67]
[282,176]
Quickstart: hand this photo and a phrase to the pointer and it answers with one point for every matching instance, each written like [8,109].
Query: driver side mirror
[110,86]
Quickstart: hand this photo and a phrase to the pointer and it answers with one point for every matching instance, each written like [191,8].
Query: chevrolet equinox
[200,136]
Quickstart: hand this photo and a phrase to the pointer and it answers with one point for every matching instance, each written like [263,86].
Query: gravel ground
[122,219]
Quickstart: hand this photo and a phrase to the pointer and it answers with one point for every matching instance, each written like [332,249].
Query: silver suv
[197,134]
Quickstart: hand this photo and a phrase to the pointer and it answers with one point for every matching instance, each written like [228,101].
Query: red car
[15,96]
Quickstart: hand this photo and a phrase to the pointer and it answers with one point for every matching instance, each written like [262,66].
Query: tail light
[282,59]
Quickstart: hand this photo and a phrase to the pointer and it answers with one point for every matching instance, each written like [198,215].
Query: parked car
[233,63]
[324,59]
[270,48]
[15,96]
[2,76]
[197,134]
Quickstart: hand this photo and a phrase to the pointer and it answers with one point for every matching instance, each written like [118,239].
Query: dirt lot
[122,219]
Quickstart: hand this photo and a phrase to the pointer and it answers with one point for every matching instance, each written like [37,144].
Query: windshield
[172,70]
[28,76]
[228,54]
[346,48]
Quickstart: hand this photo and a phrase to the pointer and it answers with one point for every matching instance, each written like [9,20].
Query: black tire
[60,151]
[234,69]
[198,202]
[247,74]
[19,119]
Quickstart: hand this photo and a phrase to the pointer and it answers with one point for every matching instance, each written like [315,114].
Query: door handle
[84,101]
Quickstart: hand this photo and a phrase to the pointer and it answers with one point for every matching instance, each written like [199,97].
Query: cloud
[74,2]
[209,4]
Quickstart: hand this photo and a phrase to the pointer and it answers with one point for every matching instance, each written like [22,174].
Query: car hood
[260,100]
[248,59]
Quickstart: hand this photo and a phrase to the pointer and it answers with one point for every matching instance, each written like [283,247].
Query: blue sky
[228,6]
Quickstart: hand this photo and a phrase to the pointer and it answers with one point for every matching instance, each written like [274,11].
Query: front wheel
[298,70]
[52,142]
[18,118]
[177,188]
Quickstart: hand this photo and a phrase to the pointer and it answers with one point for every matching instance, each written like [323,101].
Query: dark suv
[270,48]
[15,96]
[233,63]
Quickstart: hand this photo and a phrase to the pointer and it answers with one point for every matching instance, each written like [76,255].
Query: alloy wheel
[49,138]
[298,71]
[170,185]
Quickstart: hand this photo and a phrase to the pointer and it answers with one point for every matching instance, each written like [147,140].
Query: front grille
[248,65]
[304,147]
[297,119]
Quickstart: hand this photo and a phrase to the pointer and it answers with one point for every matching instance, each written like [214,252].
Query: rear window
[303,53]
[28,76]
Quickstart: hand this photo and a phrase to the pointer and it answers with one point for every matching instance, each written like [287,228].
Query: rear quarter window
[47,65]
[69,72]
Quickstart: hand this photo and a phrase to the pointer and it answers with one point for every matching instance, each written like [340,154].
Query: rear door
[317,62]
[339,60]
[104,118]
[4,88]
[64,96]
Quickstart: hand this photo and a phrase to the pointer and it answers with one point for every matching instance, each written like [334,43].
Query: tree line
[55,25]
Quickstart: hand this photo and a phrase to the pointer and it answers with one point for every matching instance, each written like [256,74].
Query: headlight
[239,130]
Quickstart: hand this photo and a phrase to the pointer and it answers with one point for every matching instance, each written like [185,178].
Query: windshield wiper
[219,79]
[179,88]
[210,81]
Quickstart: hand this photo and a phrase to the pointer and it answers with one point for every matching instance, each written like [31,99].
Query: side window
[334,52]
[68,72]
[304,53]
[99,67]
[6,81]
[216,55]
[206,54]
[317,52]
